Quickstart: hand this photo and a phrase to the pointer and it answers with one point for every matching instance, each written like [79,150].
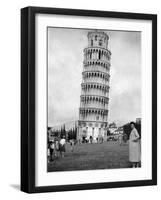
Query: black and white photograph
[93,99]
[89,99]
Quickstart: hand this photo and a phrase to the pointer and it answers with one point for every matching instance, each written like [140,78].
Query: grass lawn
[108,155]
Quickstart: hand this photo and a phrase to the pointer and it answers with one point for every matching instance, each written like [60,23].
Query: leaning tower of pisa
[93,111]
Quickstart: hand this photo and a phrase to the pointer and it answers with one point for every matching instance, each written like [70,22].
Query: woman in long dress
[134,146]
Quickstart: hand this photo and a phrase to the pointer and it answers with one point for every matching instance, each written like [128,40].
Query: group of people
[56,148]
[99,139]
[90,140]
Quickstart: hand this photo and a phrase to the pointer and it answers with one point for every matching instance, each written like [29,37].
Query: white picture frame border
[44,178]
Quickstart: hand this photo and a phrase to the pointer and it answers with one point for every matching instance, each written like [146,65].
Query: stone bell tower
[93,111]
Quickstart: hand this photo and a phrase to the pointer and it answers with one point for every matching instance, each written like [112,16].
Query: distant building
[112,127]
[119,131]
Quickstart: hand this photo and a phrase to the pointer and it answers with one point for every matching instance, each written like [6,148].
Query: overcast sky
[65,65]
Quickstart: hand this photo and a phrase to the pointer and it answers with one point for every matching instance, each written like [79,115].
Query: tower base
[87,130]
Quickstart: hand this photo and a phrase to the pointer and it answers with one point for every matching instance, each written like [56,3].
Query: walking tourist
[134,146]
[100,139]
[72,145]
[91,139]
[48,155]
[56,147]
[52,149]
[125,137]
[120,139]
[62,146]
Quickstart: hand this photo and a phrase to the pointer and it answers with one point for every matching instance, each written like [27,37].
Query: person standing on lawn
[72,145]
[125,137]
[120,138]
[62,146]
[134,146]
[56,147]
[91,139]
[52,150]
